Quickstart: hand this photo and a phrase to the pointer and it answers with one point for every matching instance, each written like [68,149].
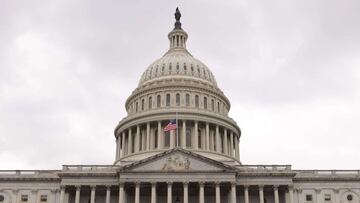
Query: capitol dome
[177,87]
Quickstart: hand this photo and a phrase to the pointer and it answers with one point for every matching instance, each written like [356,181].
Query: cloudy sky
[291,70]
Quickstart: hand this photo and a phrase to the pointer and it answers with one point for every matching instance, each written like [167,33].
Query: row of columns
[185,193]
[228,143]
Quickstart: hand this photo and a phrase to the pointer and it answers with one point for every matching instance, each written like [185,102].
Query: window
[158,101]
[327,197]
[205,103]
[136,106]
[167,99]
[150,102]
[2,198]
[167,139]
[212,105]
[196,100]
[142,104]
[349,197]
[218,106]
[187,100]
[24,198]
[156,139]
[308,198]
[199,139]
[177,99]
[43,198]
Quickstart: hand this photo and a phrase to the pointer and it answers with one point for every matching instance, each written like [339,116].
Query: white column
[233,192]
[121,193]
[261,193]
[62,194]
[117,148]
[237,153]
[130,147]
[276,193]
[148,136]
[218,141]
[108,193]
[317,195]
[196,137]
[231,144]
[291,194]
[160,140]
[123,144]
[217,192]
[153,192]
[201,193]
[137,139]
[186,192]
[225,145]
[336,196]
[169,192]
[77,194]
[92,197]
[207,137]
[183,144]
[246,193]
[137,192]
[14,196]
[33,197]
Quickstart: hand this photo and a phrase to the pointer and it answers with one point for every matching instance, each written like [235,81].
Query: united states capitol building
[196,163]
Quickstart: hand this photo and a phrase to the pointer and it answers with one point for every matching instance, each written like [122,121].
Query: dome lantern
[177,36]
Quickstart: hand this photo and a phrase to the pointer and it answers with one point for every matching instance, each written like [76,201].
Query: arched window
[212,105]
[167,99]
[142,104]
[187,99]
[218,106]
[196,100]
[158,101]
[205,103]
[177,99]
[137,106]
[150,102]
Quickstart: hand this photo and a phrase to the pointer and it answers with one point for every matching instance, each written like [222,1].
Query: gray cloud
[290,69]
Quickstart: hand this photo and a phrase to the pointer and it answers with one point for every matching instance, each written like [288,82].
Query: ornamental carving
[176,163]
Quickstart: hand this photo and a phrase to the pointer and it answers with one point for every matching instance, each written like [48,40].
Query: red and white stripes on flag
[171,126]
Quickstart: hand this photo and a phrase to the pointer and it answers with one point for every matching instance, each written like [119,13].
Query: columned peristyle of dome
[177,86]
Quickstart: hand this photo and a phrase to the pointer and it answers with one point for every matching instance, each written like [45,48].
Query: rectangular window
[327,197]
[43,198]
[308,198]
[24,198]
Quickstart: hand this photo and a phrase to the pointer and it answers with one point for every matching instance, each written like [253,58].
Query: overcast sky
[291,70]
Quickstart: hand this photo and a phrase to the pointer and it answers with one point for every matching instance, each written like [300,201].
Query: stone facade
[196,163]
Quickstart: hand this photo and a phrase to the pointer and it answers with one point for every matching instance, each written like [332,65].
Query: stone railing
[265,167]
[328,172]
[88,167]
[7,173]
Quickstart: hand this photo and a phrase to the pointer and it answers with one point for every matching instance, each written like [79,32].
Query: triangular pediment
[177,160]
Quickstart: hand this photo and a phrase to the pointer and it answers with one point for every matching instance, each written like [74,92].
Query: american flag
[171,126]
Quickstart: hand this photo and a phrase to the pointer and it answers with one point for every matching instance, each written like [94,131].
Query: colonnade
[169,196]
[203,136]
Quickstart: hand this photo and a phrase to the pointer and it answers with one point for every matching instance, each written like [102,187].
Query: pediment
[177,160]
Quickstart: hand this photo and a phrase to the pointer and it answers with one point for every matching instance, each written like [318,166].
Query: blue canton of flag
[171,126]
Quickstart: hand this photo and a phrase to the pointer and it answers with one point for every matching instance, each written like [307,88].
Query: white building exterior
[198,162]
